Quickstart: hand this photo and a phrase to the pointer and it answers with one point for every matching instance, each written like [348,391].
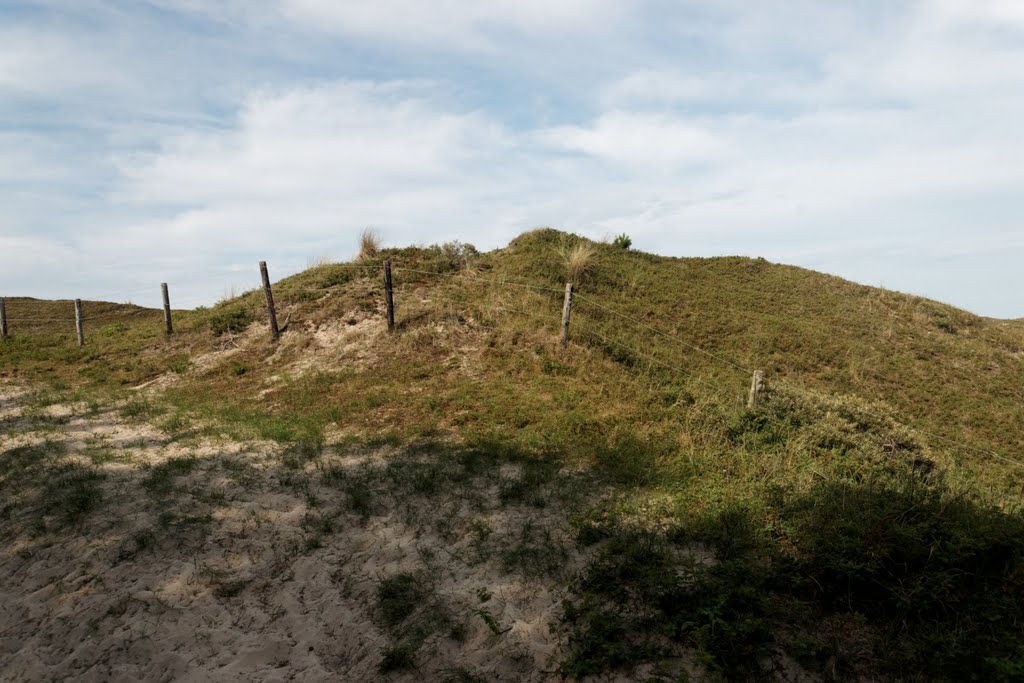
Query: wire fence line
[717,357]
[651,328]
[370,266]
[99,316]
[505,283]
[651,359]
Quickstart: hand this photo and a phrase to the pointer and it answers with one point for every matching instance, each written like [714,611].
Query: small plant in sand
[369,243]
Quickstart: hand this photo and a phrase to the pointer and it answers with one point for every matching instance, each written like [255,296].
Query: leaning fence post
[274,332]
[167,308]
[389,296]
[566,314]
[756,387]
[3,319]
[78,322]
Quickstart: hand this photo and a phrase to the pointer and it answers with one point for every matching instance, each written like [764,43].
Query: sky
[183,141]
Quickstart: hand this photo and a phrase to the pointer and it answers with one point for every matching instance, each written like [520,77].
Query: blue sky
[185,140]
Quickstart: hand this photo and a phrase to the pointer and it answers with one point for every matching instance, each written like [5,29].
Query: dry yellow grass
[369,243]
[579,260]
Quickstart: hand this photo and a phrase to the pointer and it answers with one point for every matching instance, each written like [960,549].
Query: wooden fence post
[78,322]
[3,319]
[274,332]
[389,296]
[756,387]
[167,308]
[566,313]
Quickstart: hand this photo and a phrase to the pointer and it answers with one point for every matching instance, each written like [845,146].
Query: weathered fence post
[78,322]
[3,319]
[756,387]
[566,313]
[274,332]
[389,296]
[167,308]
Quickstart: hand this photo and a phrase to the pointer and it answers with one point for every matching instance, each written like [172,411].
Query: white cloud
[987,13]
[44,62]
[639,140]
[318,143]
[453,23]
[441,24]
[800,130]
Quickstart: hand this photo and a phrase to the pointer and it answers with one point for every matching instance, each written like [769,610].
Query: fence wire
[635,322]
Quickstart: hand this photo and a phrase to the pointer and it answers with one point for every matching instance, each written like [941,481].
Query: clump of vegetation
[535,552]
[875,563]
[137,407]
[41,479]
[452,256]
[113,329]
[233,319]
[816,526]
[369,244]
[849,577]
[70,492]
[622,241]
[578,260]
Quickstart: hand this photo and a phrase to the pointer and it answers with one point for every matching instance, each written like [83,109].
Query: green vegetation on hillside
[830,525]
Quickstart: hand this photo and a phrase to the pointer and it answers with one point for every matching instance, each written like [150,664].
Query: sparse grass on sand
[828,531]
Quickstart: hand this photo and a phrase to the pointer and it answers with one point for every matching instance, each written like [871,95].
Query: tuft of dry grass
[369,243]
[579,260]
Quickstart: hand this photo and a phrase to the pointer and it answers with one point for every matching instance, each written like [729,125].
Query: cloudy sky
[185,140]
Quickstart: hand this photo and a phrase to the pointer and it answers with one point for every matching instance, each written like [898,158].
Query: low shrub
[232,320]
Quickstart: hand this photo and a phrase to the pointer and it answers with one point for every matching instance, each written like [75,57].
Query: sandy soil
[226,577]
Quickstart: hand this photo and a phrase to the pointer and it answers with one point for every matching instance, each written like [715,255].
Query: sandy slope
[223,579]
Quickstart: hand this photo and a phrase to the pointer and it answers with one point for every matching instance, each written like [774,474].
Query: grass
[54,490]
[579,260]
[893,576]
[69,493]
[230,320]
[369,244]
[828,524]
[535,552]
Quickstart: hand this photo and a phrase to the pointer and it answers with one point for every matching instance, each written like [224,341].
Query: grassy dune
[863,522]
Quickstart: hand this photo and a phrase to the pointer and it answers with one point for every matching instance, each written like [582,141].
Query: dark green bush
[232,320]
[891,574]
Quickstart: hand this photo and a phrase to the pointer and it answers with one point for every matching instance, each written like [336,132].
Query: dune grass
[839,529]
[369,244]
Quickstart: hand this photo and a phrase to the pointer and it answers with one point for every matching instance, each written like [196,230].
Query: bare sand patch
[239,567]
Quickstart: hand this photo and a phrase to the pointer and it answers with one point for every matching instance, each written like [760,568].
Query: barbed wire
[651,359]
[721,359]
[651,328]
[104,316]
[38,320]
[99,316]
[878,416]
[464,276]
[287,291]
[789,383]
